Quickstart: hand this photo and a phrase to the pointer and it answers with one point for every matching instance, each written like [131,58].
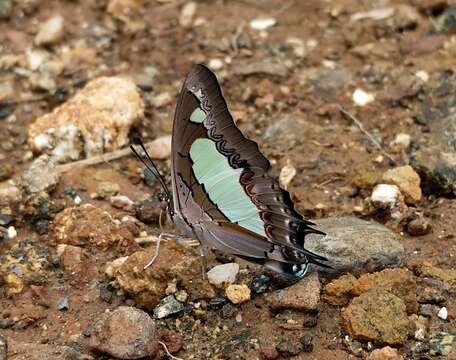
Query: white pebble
[379,159]
[443,313]
[385,194]
[12,232]
[262,23]
[35,58]
[77,200]
[402,139]
[187,14]
[287,174]
[423,75]
[374,14]
[330,64]
[420,335]
[311,43]
[239,317]
[362,98]
[223,274]
[50,31]
[121,202]
[215,64]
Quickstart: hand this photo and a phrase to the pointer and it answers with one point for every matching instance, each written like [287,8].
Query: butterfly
[221,193]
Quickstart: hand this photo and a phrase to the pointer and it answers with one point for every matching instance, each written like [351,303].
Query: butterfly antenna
[150,165]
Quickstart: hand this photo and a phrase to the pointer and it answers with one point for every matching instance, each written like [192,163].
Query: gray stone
[429,310]
[356,246]
[286,132]
[63,304]
[51,31]
[168,306]
[125,333]
[260,284]
[435,155]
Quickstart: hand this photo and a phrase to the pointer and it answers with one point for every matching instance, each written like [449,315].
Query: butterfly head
[165,203]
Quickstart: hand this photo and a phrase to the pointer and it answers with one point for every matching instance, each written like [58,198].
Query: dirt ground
[323,56]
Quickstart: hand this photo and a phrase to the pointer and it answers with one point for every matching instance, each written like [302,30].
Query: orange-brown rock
[174,264]
[88,225]
[379,316]
[400,282]
[97,119]
[340,291]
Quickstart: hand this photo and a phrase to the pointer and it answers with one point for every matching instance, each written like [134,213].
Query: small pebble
[422,75]
[148,211]
[402,140]
[12,232]
[238,317]
[187,14]
[181,296]
[418,227]
[216,304]
[6,323]
[269,352]
[262,23]
[168,306]
[287,174]
[362,98]
[215,64]
[223,274]
[105,292]
[443,313]
[238,294]
[63,304]
[260,284]
[307,343]
[121,202]
[172,339]
[50,31]
[385,195]
[386,353]
[171,288]
[107,189]
[228,311]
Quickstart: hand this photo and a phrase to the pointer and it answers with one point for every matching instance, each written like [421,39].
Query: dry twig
[113,155]
[167,352]
[365,132]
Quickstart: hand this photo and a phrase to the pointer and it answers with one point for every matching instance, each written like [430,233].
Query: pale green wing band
[221,182]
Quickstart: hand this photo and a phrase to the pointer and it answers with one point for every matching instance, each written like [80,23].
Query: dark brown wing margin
[230,141]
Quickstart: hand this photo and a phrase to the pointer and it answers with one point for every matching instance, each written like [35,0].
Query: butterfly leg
[157,251]
[163,236]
